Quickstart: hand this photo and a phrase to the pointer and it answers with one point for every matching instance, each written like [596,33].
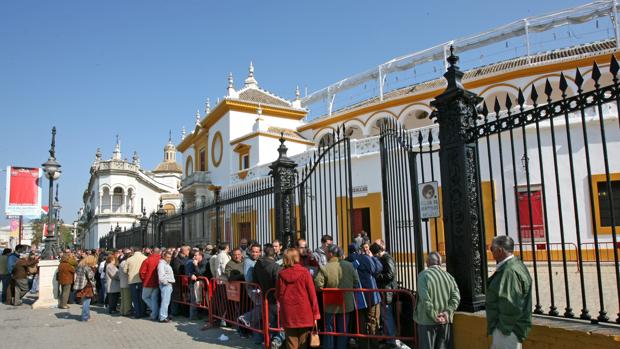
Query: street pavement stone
[22,327]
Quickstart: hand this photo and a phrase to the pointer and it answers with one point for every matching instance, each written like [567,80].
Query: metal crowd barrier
[200,288]
[238,303]
[367,319]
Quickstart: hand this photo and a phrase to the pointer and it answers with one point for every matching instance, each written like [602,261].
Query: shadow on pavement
[194,329]
[65,315]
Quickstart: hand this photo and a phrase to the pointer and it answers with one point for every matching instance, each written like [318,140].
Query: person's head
[184,250]
[19,248]
[381,243]
[243,243]
[376,250]
[291,257]
[365,248]
[6,251]
[269,251]
[326,240]
[198,256]
[223,246]
[208,249]
[237,255]
[254,251]
[111,259]
[333,251]
[89,261]
[502,246]
[156,251]
[434,258]
[147,251]
[167,256]
[277,246]
[301,246]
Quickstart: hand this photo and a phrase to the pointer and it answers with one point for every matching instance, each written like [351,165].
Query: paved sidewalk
[22,327]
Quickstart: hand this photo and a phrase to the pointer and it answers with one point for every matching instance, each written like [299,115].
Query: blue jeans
[86,308]
[150,295]
[166,293]
[136,299]
[336,323]
[387,318]
[5,279]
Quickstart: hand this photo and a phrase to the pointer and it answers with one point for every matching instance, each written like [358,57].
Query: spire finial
[169,136]
[452,59]
[251,81]
[208,106]
[454,74]
[297,93]
[230,80]
[183,132]
[116,155]
[98,154]
[197,117]
[53,145]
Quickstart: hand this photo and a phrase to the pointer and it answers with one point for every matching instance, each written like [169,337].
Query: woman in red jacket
[299,309]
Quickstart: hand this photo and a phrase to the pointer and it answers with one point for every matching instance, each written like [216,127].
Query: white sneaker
[243,321]
[276,343]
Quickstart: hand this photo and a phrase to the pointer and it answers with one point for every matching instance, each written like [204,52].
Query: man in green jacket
[337,273]
[436,301]
[508,297]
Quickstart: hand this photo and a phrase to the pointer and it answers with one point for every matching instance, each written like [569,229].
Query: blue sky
[95,69]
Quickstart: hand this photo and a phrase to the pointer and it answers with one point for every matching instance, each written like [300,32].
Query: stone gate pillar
[465,250]
[284,173]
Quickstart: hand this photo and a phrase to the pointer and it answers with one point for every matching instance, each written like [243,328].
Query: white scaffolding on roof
[521,28]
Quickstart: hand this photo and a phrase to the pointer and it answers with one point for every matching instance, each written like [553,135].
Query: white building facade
[119,192]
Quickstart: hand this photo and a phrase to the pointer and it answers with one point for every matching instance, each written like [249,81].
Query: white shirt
[504,261]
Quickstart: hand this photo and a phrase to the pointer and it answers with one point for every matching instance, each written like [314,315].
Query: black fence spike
[485,110]
[578,79]
[563,84]
[520,98]
[548,89]
[534,95]
[596,73]
[508,102]
[430,136]
[613,66]
[420,139]
[497,108]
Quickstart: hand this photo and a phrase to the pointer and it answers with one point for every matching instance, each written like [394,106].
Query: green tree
[37,225]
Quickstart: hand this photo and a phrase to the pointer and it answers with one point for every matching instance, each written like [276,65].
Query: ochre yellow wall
[470,333]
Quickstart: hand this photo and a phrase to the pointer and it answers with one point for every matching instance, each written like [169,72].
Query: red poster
[23,195]
[536,224]
[24,188]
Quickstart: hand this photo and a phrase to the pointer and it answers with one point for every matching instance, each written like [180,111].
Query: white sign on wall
[429,200]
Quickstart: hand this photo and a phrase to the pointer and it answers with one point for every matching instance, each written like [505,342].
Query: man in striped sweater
[437,299]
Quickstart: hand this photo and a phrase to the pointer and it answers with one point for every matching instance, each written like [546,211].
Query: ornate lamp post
[161,213]
[52,172]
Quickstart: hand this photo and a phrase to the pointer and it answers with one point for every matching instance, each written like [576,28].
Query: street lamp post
[52,172]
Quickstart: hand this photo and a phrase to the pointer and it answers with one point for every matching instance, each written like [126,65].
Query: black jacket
[178,265]
[265,274]
[387,278]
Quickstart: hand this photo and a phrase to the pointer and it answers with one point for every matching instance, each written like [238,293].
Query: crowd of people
[145,283]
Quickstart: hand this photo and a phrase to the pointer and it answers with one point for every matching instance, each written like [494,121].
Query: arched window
[117,199]
[189,166]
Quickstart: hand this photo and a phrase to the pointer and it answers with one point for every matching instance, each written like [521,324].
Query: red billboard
[23,191]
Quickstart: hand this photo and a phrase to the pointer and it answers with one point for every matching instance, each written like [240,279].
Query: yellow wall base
[470,333]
